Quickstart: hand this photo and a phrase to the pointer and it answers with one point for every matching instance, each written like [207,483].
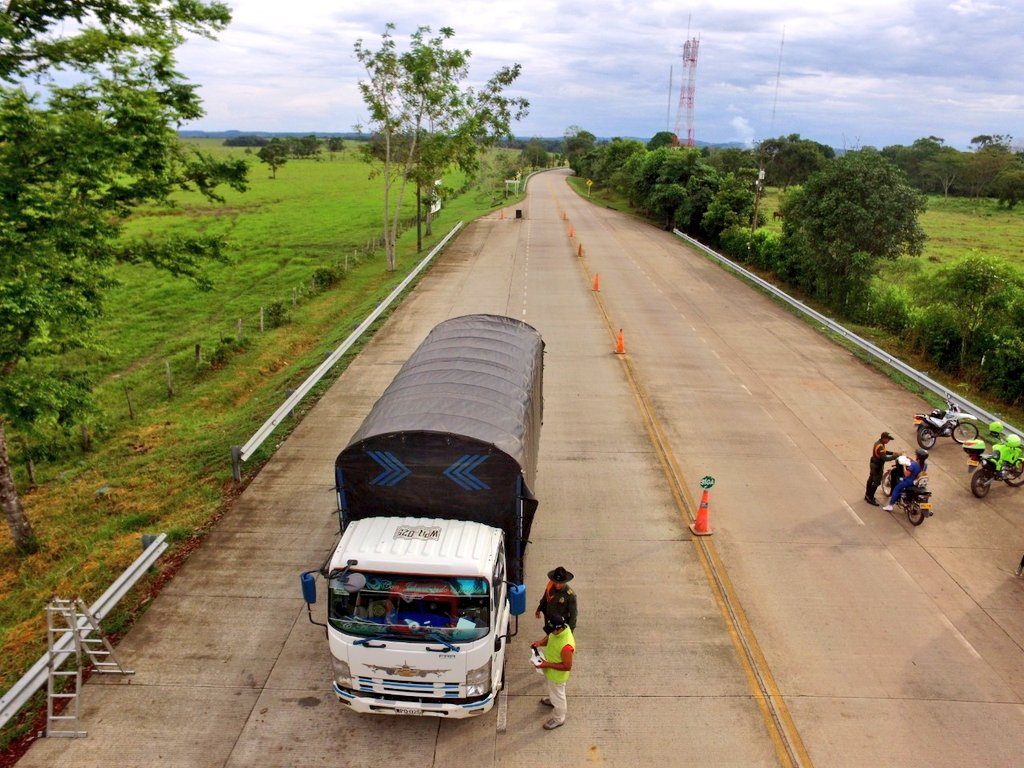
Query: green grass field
[168,469]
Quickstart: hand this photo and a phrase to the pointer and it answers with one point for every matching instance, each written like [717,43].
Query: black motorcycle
[916,500]
[985,473]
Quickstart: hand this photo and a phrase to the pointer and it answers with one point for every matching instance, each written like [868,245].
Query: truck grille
[408,688]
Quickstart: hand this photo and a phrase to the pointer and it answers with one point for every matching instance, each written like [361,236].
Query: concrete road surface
[810,629]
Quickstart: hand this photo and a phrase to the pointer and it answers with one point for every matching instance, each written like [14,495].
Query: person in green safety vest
[1008,449]
[558,648]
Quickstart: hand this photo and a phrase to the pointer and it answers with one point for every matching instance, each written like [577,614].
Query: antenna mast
[668,108]
[759,183]
[687,89]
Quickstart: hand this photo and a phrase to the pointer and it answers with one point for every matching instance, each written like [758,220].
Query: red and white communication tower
[687,89]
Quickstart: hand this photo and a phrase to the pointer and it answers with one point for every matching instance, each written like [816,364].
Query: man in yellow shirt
[558,648]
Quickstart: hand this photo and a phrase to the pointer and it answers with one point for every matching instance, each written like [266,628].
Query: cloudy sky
[854,72]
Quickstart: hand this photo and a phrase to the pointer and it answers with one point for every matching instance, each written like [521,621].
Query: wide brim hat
[560,575]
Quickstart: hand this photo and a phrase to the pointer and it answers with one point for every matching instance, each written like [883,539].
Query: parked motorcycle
[983,465]
[916,500]
[951,422]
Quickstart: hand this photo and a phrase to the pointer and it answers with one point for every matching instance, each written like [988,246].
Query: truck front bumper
[384,706]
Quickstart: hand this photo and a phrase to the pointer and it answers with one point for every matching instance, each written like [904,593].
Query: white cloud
[742,131]
[884,70]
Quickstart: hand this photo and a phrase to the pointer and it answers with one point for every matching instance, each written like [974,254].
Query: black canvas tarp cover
[454,431]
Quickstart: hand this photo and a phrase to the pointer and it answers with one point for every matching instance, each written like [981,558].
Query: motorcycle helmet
[1013,441]
[995,428]
[921,454]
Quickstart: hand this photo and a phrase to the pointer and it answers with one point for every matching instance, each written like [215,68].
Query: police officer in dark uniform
[558,599]
[879,455]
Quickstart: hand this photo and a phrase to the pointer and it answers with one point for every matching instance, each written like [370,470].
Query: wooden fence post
[128,397]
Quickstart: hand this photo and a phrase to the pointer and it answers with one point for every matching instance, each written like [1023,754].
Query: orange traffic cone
[700,528]
[579,251]
[501,214]
[565,216]
[597,281]
[620,344]
[571,231]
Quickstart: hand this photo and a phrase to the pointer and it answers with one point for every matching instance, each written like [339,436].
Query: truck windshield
[411,607]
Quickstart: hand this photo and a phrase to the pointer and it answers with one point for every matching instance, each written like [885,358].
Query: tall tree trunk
[25,541]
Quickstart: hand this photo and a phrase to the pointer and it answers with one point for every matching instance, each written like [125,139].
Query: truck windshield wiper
[442,641]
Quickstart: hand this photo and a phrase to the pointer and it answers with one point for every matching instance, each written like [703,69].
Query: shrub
[889,307]
[325,277]
[276,314]
[1004,369]
[935,332]
[224,350]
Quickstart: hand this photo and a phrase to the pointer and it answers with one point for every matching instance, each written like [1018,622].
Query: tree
[275,154]
[75,161]
[420,93]
[791,159]
[535,154]
[732,205]
[847,218]
[662,139]
[1008,186]
[577,143]
[306,147]
[335,144]
[943,169]
[984,165]
[979,289]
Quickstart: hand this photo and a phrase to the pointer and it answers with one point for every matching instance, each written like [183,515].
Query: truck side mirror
[517,599]
[308,582]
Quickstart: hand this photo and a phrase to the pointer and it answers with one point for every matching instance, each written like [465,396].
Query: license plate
[972,462]
[926,506]
[917,421]
[408,711]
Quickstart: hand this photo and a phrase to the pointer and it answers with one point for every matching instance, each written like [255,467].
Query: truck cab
[418,624]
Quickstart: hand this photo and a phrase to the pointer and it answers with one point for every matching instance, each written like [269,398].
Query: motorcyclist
[911,474]
[1007,452]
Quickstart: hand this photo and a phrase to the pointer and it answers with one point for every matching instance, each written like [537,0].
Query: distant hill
[517,143]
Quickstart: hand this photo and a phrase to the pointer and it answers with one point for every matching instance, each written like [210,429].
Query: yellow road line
[789,747]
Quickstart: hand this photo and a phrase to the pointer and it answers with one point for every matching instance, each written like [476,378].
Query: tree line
[845,217]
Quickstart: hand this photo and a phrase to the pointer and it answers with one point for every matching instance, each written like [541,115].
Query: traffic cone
[620,344]
[571,231]
[565,216]
[597,281]
[501,214]
[700,528]
[579,251]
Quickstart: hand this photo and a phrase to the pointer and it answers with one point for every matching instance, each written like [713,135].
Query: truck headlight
[342,673]
[478,681]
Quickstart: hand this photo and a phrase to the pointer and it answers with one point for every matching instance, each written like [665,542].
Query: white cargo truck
[435,510]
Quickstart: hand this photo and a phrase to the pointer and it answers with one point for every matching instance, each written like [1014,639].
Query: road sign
[707,482]
[590,182]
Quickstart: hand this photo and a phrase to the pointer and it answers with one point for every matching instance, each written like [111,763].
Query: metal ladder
[71,630]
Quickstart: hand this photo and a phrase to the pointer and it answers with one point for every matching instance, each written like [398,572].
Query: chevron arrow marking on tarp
[461,472]
[394,470]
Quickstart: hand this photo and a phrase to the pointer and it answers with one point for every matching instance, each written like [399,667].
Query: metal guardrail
[35,678]
[877,352]
[240,454]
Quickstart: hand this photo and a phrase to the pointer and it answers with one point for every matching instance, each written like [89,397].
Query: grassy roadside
[953,226]
[168,468]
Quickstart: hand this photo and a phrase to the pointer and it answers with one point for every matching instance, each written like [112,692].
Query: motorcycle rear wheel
[1015,475]
[914,513]
[981,483]
[965,431]
[926,437]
